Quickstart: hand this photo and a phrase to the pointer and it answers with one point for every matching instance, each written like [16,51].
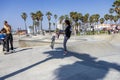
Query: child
[53,40]
[2,39]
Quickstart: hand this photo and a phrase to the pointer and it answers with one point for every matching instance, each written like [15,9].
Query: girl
[67,35]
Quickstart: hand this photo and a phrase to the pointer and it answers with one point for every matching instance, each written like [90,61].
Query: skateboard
[52,44]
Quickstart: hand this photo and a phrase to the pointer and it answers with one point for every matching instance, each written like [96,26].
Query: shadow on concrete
[23,69]
[33,65]
[23,49]
[87,69]
[18,51]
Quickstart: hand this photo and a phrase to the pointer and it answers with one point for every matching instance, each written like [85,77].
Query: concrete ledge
[29,43]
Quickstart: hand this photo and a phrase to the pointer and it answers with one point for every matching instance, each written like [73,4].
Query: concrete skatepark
[95,57]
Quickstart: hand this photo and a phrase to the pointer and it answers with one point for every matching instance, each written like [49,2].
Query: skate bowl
[115,40]
[107,39]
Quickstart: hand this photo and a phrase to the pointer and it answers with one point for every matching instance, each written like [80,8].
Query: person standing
[9,37]
[68,31]
[2,38]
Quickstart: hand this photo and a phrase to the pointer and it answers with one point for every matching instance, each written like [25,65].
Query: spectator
[9,37]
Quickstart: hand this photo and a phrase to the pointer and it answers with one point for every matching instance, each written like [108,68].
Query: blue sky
[11,10]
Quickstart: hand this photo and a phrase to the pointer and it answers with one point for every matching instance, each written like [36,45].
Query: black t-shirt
[68,31]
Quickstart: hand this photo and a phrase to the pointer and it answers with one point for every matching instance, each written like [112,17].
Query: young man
[9,37]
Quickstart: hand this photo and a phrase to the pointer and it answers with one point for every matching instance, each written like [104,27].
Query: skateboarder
[68,31]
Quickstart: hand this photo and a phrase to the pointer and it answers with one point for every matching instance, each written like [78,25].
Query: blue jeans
[65,42]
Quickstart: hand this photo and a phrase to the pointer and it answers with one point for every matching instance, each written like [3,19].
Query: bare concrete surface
[89,58]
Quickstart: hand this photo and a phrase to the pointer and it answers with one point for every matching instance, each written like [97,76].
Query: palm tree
[75,17]
[61,18]
[50,24]
[111,11]
[41,19]
[97,16]
[111,17]
[66,17]
[116,6]
[54,25]
[55,16]
[92,21]
[102,20]
[106,16]
[38,18]
[24,17]
[85,19]
[115,18]
[33,16]
[49,14]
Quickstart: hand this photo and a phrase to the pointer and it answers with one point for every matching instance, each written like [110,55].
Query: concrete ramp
[115,40]
[97,45]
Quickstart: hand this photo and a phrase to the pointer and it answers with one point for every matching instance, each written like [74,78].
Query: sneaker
[4,49]
[12,51]
[65,52]
[7,53]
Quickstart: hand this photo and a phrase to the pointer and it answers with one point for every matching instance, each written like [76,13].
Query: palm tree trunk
[33,27]
[49,28]
[56,25]
[41,28]
[26,28]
